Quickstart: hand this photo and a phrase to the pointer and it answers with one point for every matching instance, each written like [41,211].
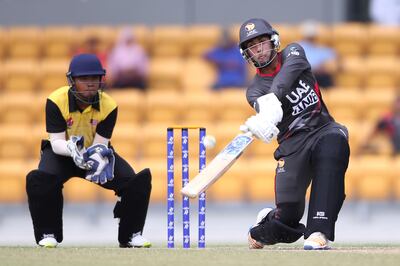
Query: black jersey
[304,111]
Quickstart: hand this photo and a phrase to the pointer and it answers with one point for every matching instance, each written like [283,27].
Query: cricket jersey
[304,111]
[63,114]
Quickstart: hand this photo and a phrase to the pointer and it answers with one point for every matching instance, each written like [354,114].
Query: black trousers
[323,162]
[44,189]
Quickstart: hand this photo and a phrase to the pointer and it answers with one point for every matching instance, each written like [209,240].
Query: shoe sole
[144,246]
[312,248]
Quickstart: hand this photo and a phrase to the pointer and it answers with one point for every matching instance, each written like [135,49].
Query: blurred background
[177,62]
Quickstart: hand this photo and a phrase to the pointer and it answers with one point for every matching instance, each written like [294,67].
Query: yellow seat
[375,177]
[81,190]
[52,74]
[158,168]
[168,41]
[287,33]
[199,75]
[351,72]
[385,42]
[163,107]
[349,39]
[12,180]
[105,34]
[165,73]
[58,41]
[201,38]
[3,42]
[199,107]
[24,42]
[17,108]
[382,71]
[154,140]
[233,106]
[344,104]
[15,141]
[378,103]
[260,180]
[20,75]
[127,140]
[131,105]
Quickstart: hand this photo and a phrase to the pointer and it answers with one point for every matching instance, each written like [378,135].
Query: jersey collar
[74,107]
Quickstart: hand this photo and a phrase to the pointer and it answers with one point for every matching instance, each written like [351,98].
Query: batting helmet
[85,65]
[253,28]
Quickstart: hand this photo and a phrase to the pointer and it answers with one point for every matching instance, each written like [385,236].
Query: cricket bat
[218,166]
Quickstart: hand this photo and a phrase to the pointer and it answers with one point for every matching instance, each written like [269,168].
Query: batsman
[80,119]
[313,148]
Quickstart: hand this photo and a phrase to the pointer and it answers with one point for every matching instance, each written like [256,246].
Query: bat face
[218,166]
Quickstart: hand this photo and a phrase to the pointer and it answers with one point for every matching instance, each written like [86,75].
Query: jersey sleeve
[253,92]
[55,122]
[294,62]
[106,127]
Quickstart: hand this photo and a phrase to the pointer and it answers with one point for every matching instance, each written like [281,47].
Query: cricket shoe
[254,244]
[137,241]
[316,241]
[48,241]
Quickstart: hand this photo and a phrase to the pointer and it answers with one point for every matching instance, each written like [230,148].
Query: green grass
[284,255]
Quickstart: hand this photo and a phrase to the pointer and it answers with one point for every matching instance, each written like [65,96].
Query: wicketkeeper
[313,148]
[80,119]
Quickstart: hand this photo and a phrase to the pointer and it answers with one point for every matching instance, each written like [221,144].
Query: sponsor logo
[302,97]
[250,26]
[320,215]
[293,51]
[94,122]
[237,145]
[281,164]
[70,122]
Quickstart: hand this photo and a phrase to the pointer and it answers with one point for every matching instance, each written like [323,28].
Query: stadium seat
[12,180]
[20,75]
[351,72]
[3,42]
[287,33]
[345,104]
[163,107]
[260,180]
[201,38]
[375,177]
[382,71]
[127,139]
[15,141]
[378,103]
[131,105]
[154,140]
[233,105]
[81,190]
[166,73]
[58,41]
[106,35]
[385,42]
[199,75]
[168,41]
[18,108]
[349,39]
[24,42]
[198,107]
[52,74]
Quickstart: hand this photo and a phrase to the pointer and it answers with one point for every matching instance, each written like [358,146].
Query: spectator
[385,12]
[321,58]
[128,63]
[232,70]
[92,46]
[389,125]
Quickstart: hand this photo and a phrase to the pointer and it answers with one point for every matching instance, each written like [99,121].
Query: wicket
[185,180]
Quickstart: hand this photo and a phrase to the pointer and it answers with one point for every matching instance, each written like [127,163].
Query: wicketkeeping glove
[77,150]
[101,159]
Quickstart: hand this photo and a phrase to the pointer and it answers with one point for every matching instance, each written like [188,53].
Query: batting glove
[261,128]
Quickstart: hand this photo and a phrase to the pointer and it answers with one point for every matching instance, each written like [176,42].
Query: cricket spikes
[316,241]
[48,241]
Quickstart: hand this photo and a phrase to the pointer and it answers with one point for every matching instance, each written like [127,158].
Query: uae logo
[250,26]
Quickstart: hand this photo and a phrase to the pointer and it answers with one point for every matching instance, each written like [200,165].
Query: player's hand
[261,128]
[101,160]
[77,150]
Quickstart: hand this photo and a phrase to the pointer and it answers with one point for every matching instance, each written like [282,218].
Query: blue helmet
[85,65]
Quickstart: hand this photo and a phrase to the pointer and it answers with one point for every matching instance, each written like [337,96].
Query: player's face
[259,49]
[87,86]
